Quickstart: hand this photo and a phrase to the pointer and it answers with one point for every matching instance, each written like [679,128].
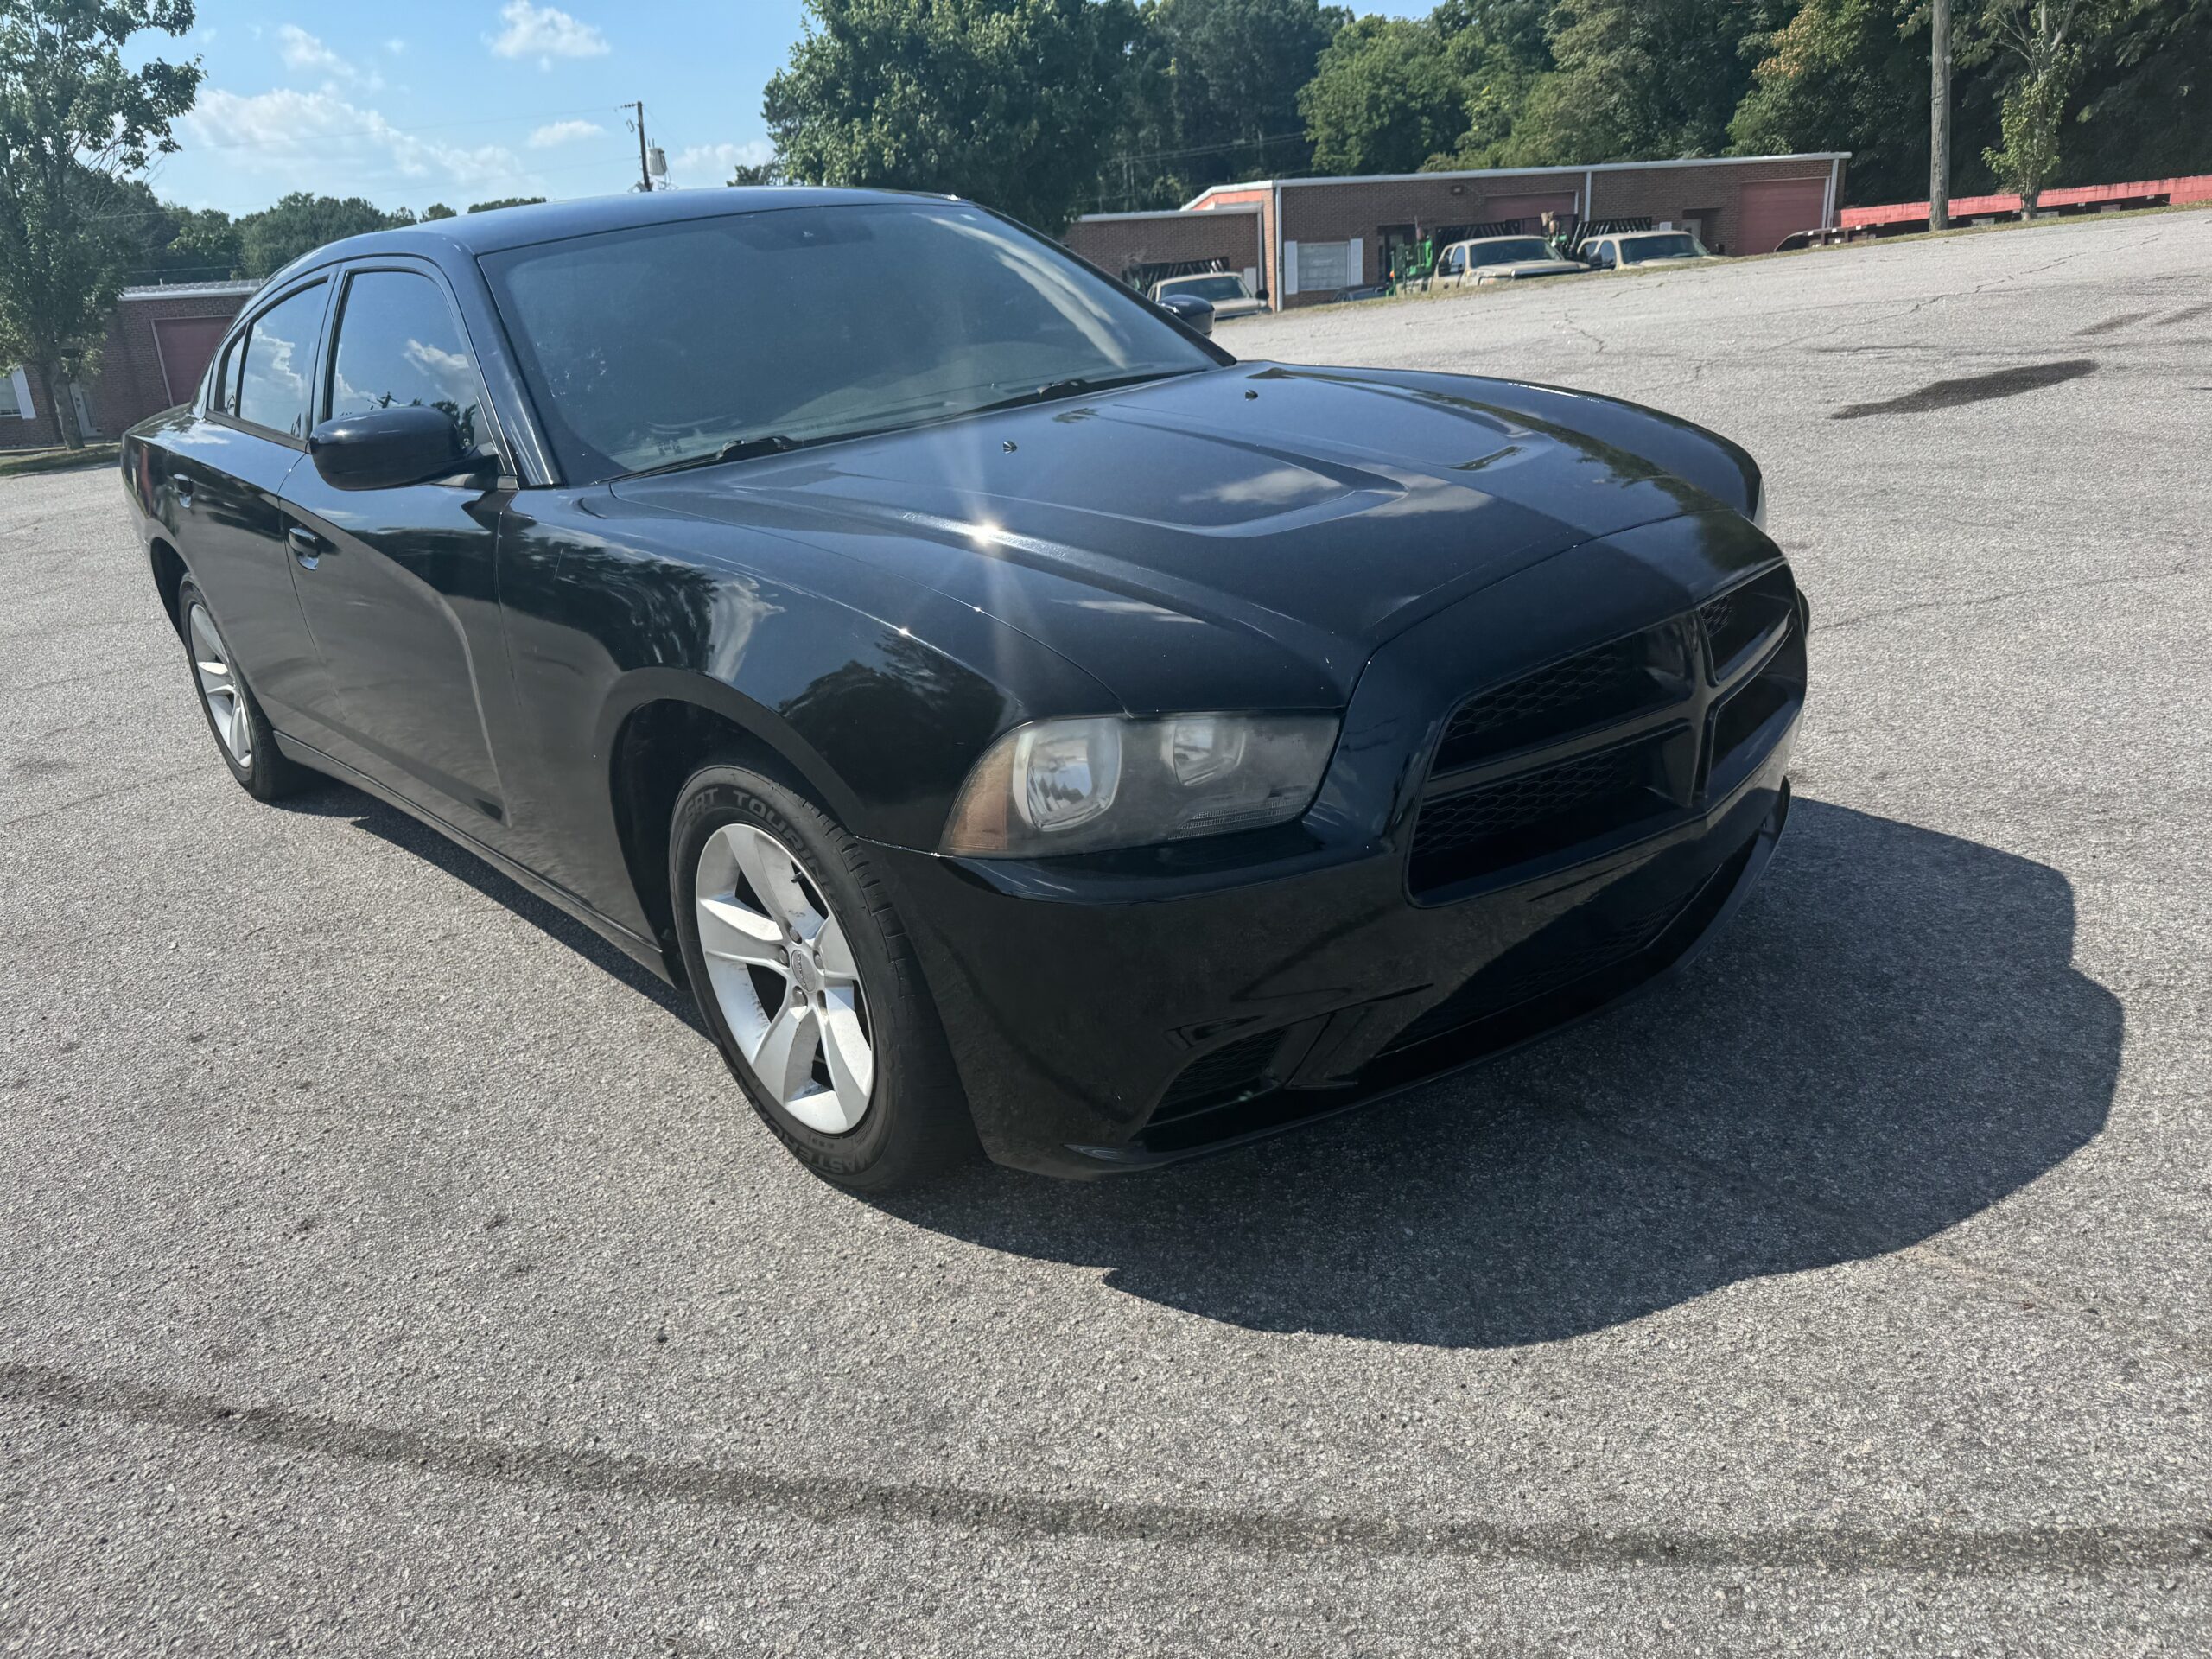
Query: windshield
[672,342]
[1215,288]
[1510,251]
[1675,245]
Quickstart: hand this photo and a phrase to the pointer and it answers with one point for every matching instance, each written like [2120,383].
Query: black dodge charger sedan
[1016,720]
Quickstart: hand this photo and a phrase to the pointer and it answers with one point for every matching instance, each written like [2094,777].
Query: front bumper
[1121,1012]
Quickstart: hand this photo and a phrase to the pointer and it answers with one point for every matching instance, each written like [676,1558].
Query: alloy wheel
[218,686]
[785,978]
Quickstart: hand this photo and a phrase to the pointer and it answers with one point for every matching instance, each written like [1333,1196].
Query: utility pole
[645,173]
[1939,117]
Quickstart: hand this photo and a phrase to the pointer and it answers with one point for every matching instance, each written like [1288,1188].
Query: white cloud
[319,140]
[395,46]
[564,132]
[545,33]
[303,51]
[701,164]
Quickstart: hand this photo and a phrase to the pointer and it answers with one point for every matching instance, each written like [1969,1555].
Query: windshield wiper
[775,443]
[1075,387]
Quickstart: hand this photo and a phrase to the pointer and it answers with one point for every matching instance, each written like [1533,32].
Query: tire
[745,833]
[234,718]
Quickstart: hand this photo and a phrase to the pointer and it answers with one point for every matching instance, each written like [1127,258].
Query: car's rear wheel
[240,729]
[808,983]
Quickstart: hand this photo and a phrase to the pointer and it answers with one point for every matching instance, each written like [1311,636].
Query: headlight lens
[1088,784]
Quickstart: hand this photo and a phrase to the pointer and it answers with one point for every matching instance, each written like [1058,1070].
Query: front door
[399,585]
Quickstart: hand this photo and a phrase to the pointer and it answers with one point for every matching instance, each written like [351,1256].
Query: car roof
[553,222]
[1517,236]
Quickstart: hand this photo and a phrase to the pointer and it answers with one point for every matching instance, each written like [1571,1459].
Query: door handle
[307,547]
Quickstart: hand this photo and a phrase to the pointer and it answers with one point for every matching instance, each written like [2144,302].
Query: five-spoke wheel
[785,978]
[219,687]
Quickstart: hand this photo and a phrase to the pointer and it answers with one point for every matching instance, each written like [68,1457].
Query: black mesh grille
[1495,824]
[1230,1072]
[1741,618]
[1610,681]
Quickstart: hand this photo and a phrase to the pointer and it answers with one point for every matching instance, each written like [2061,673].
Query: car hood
[1258,509]
[1533,268]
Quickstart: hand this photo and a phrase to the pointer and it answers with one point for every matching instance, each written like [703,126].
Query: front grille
[1493,825]
[1592,688]
[1740,620]
[1234,1071]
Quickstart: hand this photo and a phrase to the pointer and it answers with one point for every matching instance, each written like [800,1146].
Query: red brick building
[1310,239]
[158,342]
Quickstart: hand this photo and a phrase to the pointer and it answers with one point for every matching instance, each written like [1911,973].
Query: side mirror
[383,448]
[1193,313]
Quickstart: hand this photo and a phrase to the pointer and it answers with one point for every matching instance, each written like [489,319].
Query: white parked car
[1224,290]
[1636,248]
[1499,259]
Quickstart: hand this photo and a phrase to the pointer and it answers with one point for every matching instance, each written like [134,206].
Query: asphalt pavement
[386,1267]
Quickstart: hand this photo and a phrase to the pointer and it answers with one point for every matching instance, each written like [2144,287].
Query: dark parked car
[1014,718]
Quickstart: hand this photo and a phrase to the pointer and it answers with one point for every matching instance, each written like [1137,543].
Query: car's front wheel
[240,729]
[806,978]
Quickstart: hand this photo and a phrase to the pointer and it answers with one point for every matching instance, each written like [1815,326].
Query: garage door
[185,345]
[1529,210]
[1767,213]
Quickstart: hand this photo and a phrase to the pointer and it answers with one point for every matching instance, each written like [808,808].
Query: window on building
[14,401]
[280,364]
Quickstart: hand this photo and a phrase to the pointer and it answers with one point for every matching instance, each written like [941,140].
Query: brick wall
[129,385]
[1360,208]
[1117,243]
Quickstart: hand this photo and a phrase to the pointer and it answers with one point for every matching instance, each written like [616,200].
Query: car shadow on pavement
[333,799]
[1890,1039]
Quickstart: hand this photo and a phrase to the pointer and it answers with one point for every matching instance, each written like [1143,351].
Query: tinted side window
[397,346]
[280,364]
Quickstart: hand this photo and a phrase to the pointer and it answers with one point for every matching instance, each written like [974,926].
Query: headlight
[1084,786]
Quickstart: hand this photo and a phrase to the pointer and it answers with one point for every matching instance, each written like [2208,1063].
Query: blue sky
[410,102]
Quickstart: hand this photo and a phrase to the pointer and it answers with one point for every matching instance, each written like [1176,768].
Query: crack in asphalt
[1926,1547]
[1978,601]
[106,794]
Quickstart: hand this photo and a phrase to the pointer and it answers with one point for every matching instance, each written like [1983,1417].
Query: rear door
[399,585]
[226,472]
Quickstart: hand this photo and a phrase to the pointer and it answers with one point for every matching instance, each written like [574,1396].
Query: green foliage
[757,173]
[76,122]
[2034,107]
[504,201]
[1638,80]
[437,210]
[1013,102]
[1384,98]
[301,223]
[1214,96]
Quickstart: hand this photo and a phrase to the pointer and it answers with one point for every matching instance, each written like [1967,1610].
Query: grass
[21,463]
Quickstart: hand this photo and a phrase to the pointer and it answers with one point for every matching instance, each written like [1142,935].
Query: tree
[1500,51]
[75,120]
[1844,74]
[2043,39]
[1011,102]
[1383,98]
[757,173]
[438,210]
[301,222]
[504,201]
[1214,96]
[1638,80]
[2146,96]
